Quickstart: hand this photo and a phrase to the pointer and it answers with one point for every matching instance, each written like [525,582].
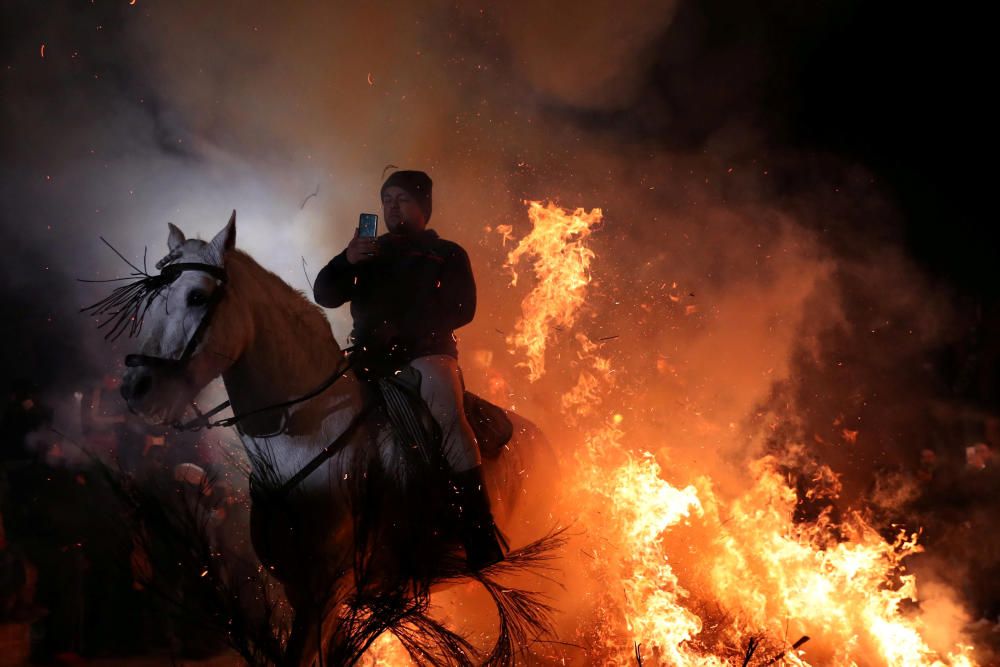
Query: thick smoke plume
[750,293]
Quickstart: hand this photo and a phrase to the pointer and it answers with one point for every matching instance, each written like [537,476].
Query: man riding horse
[409,290]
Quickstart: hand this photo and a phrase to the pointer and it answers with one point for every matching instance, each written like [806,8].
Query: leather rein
[170,272]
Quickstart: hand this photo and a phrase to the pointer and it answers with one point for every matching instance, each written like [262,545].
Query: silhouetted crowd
[73,580]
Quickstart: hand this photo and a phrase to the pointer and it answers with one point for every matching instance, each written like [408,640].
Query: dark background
[898,89]
[826,94]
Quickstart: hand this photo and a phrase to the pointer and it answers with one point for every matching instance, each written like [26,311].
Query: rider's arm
[334,285]
[458,289]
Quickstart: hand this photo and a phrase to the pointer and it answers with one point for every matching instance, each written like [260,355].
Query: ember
[758,571]
[730,260]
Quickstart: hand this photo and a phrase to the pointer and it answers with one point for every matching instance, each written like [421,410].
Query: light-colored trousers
[442,389]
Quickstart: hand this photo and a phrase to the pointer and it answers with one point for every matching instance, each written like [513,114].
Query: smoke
[752,293]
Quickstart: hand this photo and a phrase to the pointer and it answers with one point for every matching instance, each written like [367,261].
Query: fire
[557,241]
[386,650]
[844,585]
[846,589]
[678,573]
[645,506]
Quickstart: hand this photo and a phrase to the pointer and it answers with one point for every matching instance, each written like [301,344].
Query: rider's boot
[483,542]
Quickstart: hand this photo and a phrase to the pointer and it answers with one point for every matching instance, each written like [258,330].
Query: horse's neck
[291,350]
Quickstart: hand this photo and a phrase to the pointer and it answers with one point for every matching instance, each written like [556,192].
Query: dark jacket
[406,302]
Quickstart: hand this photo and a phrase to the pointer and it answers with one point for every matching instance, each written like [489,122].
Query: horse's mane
[296,298]
[282,301]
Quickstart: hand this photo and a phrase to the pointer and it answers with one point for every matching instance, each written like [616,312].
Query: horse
[214,311]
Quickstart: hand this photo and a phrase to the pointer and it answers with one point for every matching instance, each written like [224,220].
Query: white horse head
[191,333]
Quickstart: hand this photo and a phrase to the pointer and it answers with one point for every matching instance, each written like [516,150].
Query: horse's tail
[524,615]
[402,550]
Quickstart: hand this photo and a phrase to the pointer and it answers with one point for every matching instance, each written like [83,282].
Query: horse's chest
[291,527]
[296,533]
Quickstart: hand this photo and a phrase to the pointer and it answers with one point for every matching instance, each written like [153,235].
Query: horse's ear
[226,239]
[175,238]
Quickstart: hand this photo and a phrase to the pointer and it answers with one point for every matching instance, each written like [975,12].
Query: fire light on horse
[675,570]
[349,518]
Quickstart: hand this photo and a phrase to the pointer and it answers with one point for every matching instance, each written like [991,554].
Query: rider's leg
[442,390]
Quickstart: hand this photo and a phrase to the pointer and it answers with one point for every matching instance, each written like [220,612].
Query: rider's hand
[361,249]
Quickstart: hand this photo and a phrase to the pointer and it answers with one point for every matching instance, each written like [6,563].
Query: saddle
[490,423]
[410,415]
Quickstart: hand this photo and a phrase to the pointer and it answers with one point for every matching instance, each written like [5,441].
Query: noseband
[124,311]
[170,273]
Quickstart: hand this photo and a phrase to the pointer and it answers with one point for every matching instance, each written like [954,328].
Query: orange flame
[386,650]
[759,566]
[682,575]
[561,264]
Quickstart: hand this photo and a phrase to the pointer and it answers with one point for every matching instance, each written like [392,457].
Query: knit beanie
[416,183]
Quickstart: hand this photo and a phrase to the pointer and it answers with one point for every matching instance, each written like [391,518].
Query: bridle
[125,310]
[170,273]
[141,297]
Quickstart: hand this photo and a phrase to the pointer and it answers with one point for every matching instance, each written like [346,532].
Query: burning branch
[752,647]
[802,640]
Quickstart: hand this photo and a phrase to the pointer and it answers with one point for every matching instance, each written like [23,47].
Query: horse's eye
[197,297]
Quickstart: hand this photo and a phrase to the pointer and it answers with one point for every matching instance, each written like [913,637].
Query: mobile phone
[368,225]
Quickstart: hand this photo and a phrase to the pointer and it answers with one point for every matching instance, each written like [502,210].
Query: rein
[202,420]
[335,446]
[125,309]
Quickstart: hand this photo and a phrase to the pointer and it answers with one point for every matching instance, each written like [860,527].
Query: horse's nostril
[142,386]
[138,387]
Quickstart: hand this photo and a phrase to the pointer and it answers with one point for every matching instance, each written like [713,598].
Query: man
[409,290]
